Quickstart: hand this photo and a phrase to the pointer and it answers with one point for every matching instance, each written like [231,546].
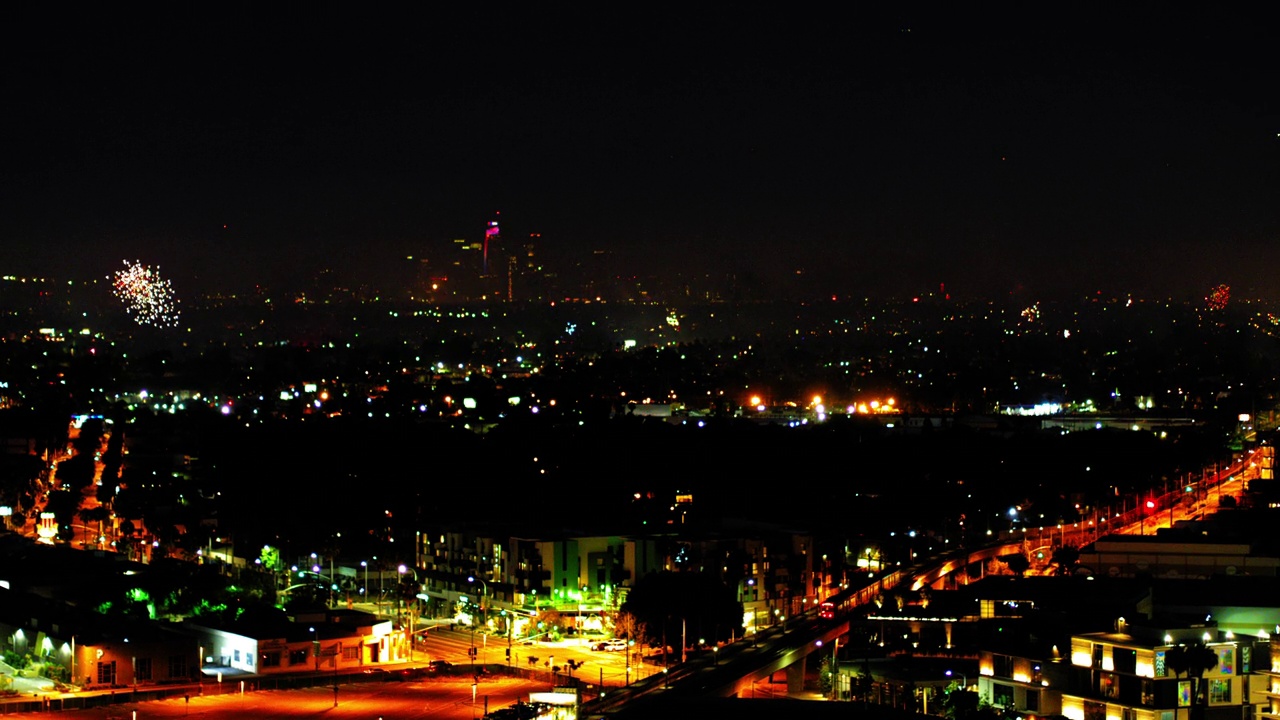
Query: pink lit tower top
[491,234]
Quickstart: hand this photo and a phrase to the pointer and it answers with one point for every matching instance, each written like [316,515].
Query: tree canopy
[1064,559]
[1017,562]
[707,608]
[1193,661]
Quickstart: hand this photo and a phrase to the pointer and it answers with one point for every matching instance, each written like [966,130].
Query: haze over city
[1129,151]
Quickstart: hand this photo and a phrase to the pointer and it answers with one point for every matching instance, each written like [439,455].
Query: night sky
[1044,149]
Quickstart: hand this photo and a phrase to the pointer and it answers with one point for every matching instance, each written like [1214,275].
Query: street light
[399,594]
[484,610]
[835,670]
[484,613]
[965,680]
[315,634]
[413,620]
[365,590]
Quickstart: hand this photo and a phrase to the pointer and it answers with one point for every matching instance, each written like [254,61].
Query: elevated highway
[732,670]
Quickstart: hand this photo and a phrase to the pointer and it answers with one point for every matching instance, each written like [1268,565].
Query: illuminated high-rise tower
[531,274]
[491,234]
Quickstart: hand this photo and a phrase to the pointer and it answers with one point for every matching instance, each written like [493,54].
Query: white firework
[147,297]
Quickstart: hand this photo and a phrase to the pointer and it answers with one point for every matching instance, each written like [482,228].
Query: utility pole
[835,670]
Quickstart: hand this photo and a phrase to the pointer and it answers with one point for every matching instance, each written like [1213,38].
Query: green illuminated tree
[826,676]
[270,559]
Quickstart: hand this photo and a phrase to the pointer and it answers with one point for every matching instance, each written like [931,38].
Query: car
[439,665]
[614,645]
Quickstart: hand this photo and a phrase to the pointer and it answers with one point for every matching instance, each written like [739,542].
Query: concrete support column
[795,677]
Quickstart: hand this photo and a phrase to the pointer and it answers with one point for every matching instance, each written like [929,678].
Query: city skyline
[889,154]
[346,346]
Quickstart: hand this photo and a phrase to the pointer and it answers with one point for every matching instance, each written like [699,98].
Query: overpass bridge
[732,671]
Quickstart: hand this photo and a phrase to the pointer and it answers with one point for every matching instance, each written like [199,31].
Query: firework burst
[1218,297]
[147,297]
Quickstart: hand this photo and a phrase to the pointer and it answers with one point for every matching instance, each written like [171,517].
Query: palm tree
[1194,660]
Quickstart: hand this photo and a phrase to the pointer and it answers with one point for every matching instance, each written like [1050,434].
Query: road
[597,665]
[84,537]
[1165,510]
[449,698]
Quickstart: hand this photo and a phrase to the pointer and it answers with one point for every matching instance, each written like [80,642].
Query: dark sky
[1045,148]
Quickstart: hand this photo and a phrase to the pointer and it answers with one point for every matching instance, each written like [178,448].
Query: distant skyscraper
[531,273]
[477,266]
[491,234]
[466,269]
[513,269]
